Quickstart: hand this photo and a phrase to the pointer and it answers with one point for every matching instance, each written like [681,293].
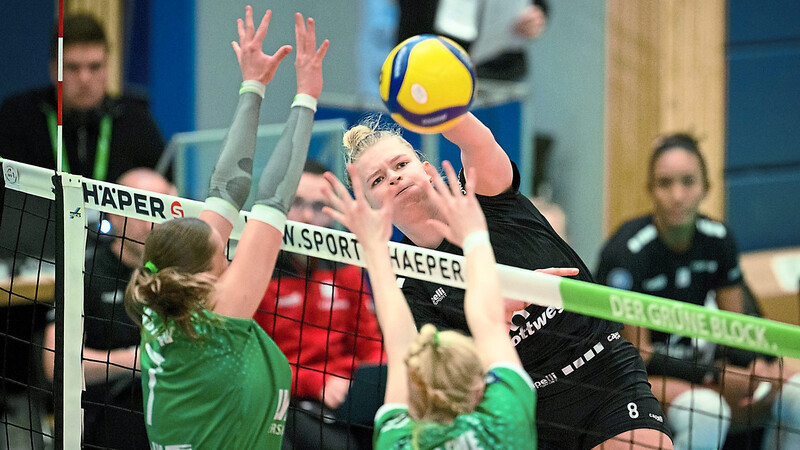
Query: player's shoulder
[633,235]
[712,229]
[128,104]
[508,373]
[393,414]
[30,100]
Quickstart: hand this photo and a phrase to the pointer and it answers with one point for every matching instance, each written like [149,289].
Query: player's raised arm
[242,286]
[465,225]
[195,310]
[231,179]
[479,150]
[372,228]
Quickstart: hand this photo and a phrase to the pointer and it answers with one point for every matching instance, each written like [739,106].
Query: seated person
[677,253]
[103,135]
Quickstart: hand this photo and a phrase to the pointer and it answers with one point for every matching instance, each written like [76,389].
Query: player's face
[678,187]
[85,75]
[219,262]
[390,171]
[309,200]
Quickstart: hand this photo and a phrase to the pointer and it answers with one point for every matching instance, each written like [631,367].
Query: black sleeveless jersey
[547,339]
[635,259]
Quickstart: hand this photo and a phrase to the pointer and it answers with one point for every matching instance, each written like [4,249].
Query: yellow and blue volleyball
[427,83]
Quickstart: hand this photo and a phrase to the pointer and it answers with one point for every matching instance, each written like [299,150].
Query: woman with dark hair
[212,378]
[678,253]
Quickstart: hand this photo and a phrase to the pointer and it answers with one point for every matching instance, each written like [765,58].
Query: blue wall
[172,65]
[568,85]
[763,137]
[24,55]
[159,54]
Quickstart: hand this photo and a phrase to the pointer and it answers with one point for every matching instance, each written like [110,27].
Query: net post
[70,247]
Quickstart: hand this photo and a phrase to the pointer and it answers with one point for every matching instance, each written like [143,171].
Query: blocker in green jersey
[501,420]
[443,389]
[234,378]
[212,378]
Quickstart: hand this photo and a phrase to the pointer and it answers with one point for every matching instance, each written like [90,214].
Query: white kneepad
[699,419]
[783,430]
[787,405]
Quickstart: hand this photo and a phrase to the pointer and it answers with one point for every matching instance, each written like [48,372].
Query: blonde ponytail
[173,295]
[444,368]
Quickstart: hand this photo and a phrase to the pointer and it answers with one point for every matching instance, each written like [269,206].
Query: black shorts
[607,396]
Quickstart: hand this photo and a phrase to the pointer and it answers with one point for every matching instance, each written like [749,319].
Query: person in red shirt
[321,316]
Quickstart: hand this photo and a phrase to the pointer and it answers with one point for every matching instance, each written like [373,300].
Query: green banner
[722,327]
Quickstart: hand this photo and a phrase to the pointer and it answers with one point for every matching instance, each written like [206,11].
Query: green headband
[151,267]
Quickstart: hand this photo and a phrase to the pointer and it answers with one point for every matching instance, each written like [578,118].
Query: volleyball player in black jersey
[678,253]
[592,385]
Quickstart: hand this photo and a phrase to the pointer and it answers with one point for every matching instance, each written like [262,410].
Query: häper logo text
[123,201]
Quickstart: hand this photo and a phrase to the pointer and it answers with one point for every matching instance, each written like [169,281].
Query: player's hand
[559,271]
[335,391]
[253,62]
[461,214]
[531,22]
[512,306]
[308,62]
[372,227]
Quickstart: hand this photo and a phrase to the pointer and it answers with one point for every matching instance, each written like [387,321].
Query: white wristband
[475,239]
[306,101]
[222,207]
[270,216]
[253,86]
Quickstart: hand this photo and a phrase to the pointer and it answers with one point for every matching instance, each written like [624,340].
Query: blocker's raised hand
[462,214]
[253,62]
[371,226]
[308,62]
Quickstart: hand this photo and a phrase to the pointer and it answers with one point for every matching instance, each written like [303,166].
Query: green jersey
[228,389]
[504,419]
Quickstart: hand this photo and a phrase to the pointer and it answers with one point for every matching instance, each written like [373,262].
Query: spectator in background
[678,253]
[321,316]
[461,21]
[113,399]
[103,136]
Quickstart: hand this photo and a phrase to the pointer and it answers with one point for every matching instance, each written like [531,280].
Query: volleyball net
[320,263]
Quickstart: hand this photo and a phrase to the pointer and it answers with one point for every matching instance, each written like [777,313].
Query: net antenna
[68,370]
[59,100]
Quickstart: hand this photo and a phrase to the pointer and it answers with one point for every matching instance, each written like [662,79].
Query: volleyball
[427,83]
